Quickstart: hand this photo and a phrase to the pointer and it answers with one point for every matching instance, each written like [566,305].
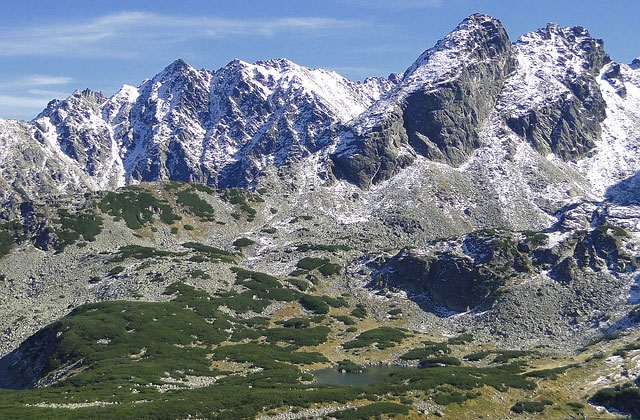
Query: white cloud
[25,96]
[48,93]
[44,80]
[109,34]
[36,80]
[398,4]
[29,103]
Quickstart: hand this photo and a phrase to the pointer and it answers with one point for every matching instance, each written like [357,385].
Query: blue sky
[49,49]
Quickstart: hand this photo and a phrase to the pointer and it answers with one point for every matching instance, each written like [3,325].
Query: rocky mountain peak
[80,101]
[225,127]
[177,66]
[277,63]
[553,100]
[477,37]
[568,45]
[436,110]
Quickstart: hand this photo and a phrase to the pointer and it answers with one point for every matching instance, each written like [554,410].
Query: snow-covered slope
[216,127]
[484,130]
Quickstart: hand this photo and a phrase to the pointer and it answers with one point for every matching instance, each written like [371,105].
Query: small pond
[371,375]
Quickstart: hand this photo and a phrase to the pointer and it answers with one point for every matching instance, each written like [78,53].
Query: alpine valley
[208,244]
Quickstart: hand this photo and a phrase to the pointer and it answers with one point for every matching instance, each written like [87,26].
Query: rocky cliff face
[566,122]
[473,93]
[218,127]
[478,133]
[438,108]
[472,272]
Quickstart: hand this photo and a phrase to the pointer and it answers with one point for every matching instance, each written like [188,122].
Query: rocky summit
[217,243]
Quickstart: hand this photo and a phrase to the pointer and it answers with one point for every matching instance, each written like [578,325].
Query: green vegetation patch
[137,208]
[502,356]
[73,226]
[316,247]
[10,234]
[383,337]
[311,263]
[243,242]
[203,188]
[617,231]
[461,339]
[314,304]
[329,269]
[211,253]
[172,185]
[348,366]
[466,378]
[295,323]
[335,302]
[265,355]
[323,265]
[116,270]
[346,320]
[117,341]
[439,361]
[624,398]
[299,337]
[241,198]
[194,204]
[6,242]
[360,311]
[549,373]
[453,396]
[299,283]
[430,350]
[264,286]
[370,411]
[141,253]
[530,406]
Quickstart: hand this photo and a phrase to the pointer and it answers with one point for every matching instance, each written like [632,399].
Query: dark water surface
[371,375]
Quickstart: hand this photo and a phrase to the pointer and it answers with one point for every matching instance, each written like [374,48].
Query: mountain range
[200,245]
[538,117]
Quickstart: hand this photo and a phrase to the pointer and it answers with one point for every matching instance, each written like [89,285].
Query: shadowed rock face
[460,281]
[443,124]
[381,153]
[569,126]
[451,281]
[441,119]
[456,281]
[89,146]
[25,365]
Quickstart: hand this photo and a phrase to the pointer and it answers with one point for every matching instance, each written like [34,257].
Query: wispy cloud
[44,80]
[36,80]
[24,103]
[25,96]
[398,4]
[49,93]
[104,34]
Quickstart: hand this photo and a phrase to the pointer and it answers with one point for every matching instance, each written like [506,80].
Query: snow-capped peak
[548,60]
[454,103]
[460,46]
[127,93]
[477,38]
